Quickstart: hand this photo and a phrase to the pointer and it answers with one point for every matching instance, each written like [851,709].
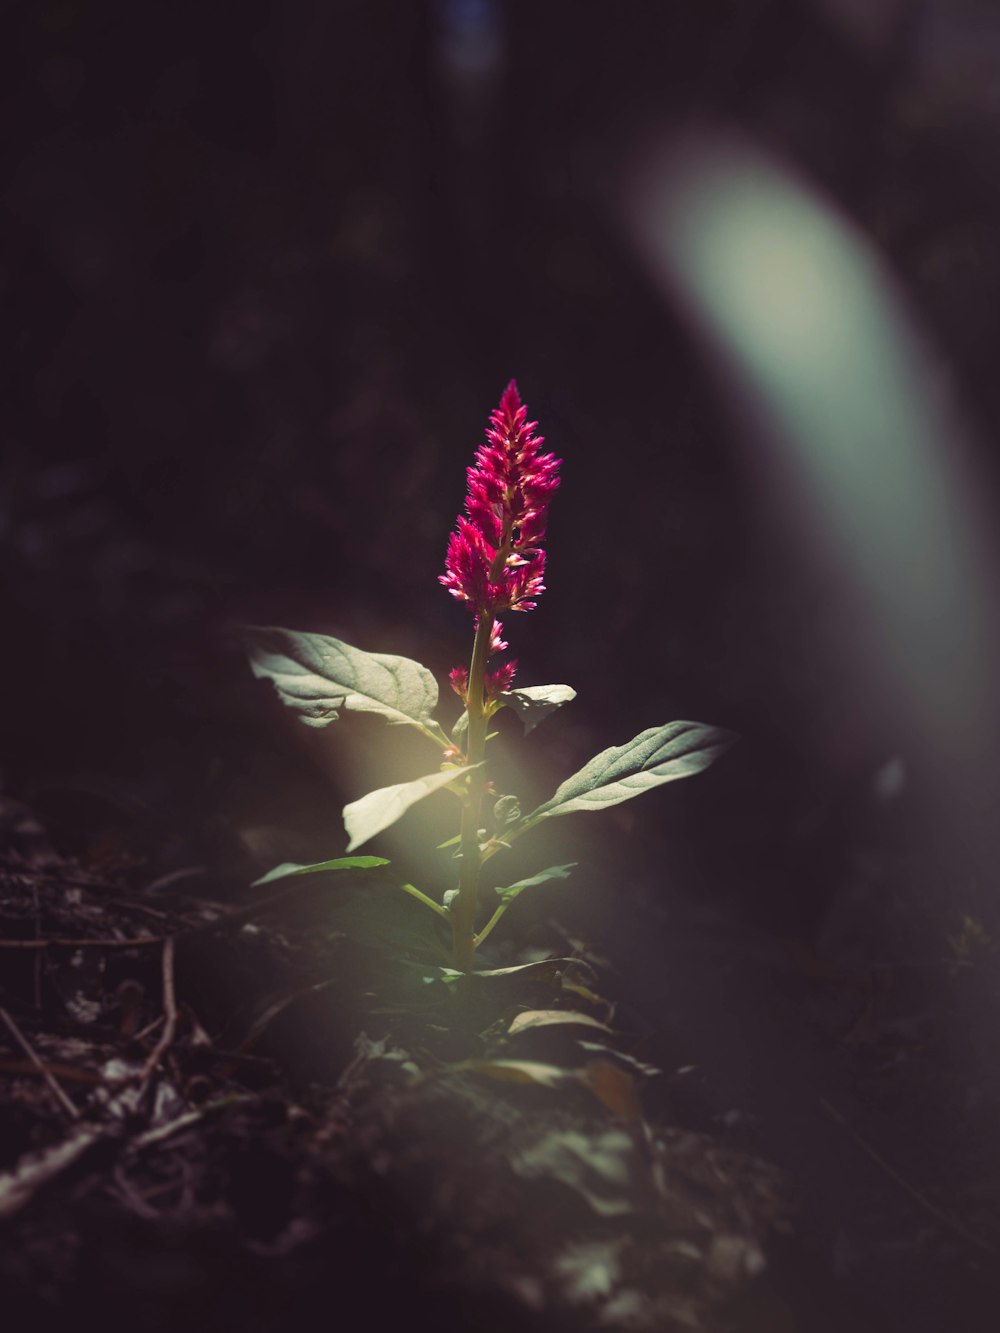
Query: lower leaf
[289,868]
[368,816]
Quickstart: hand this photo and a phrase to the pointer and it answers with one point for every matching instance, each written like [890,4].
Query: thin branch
[932,1209]
[414,892]
[169,1012]
[136,942]
[491,923]
[19,1185]
[185,1121]
[37,962]
[227,921]
[42,1068]
[150,1027]
[68,1073]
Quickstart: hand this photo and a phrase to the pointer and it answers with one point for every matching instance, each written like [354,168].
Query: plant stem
[464,908]
[414,892]
[491,923]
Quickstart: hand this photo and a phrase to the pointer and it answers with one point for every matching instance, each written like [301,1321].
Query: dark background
[265,272]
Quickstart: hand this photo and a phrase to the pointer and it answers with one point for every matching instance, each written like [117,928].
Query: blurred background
[266,272]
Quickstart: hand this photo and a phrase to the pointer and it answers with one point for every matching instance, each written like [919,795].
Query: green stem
[434,732]
[414,892]
[501,843]
[491,923]
[463,917]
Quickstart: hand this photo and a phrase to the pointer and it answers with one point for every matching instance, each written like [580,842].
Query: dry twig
[227,921]
[169,1011]
[68,1073]
[39,1064]
[136,942]
[19,1186]
[930,1208]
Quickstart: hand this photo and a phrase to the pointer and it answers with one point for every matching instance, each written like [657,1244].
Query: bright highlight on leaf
[547,1018]
[533,703]
[661,754]
[318,676]
[376,811]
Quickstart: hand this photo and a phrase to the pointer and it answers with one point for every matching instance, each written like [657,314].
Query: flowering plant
[494,564]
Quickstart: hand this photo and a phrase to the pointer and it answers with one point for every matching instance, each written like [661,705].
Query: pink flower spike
[500,680]
[459,678]
[494,560]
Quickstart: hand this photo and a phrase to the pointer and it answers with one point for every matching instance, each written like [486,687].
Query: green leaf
[655,756]
[507,810]
[379,917]
[544,1018]
[289,868]
[318,675]
[621,1058]
[535,702]
[547,969]
[376,811]
[512,891]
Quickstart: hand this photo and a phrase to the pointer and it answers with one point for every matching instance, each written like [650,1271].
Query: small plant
[495,564]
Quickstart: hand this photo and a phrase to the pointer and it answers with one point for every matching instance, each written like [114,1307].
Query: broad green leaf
[535,702]
[318,675]
[289,868]
[544,1018]
[376,811]
[546,969]
[655,756]
[512,891]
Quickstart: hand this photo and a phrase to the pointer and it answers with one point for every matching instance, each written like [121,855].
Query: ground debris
[228,1148]
[572,1211]
[195,1120]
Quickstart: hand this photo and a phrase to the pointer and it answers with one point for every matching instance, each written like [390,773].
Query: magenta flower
[497,644]
[499,680]
[495,560]
[495,682]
